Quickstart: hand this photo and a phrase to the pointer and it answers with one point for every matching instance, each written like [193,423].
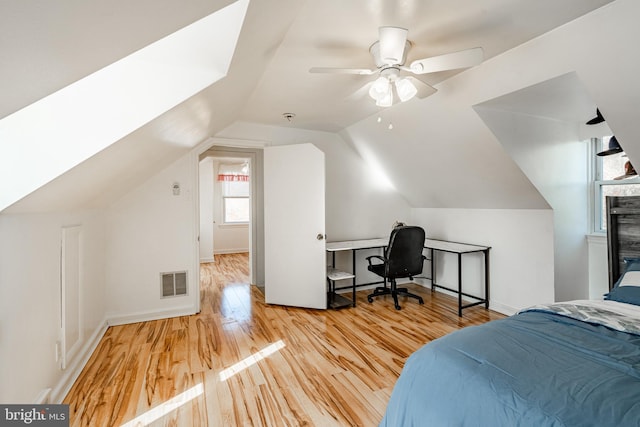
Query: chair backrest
[404,252]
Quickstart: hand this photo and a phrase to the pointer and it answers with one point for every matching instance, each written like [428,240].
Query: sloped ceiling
[87,116]
[562,98]
[335,33]
[50,45]
[110,173]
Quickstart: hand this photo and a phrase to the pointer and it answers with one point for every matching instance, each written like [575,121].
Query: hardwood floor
[242,362]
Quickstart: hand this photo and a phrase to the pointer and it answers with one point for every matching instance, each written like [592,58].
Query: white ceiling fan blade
[360,93]
[450,61]
[392,44]
[329,70]
[424,89]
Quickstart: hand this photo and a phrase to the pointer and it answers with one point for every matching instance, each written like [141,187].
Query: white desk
[460,249]
[431,244]
[353,246]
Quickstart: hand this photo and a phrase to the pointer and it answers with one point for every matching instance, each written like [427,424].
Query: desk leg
[433,268]
[460,285]
[353,266]
[332,284]
[486,278]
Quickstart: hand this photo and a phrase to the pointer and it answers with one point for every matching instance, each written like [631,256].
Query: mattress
[570,364]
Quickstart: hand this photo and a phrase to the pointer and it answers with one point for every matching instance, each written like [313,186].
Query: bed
[574,363]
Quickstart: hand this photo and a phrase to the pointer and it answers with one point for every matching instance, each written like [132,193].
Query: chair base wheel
[394,292]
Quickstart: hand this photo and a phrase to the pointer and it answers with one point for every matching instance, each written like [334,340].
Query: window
[235,202]
[613,176]
[235,193]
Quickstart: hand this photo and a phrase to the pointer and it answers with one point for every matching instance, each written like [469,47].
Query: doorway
[230,200]
[224,206]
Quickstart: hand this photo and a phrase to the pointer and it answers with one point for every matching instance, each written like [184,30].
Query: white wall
[598,266]
[152,231]
[555,160]
[206,176]
[30,299]
[521,252]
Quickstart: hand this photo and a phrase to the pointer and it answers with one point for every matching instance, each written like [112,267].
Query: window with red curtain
[234,178]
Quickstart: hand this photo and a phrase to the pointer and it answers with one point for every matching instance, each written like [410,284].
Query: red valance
[232,177]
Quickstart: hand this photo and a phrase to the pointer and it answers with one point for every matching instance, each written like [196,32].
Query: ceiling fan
[390,54]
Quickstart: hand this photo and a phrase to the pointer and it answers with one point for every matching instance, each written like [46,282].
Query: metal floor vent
[173,284]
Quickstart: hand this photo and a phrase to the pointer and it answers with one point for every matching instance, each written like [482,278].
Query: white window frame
[224,188]
[224,210]
[597,183]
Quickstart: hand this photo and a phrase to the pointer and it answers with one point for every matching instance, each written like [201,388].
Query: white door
[295,260]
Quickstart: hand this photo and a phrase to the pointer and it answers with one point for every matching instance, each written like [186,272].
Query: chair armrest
[376,256]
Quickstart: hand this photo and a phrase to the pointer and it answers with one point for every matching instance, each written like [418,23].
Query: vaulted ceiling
[49,45]
[336,33]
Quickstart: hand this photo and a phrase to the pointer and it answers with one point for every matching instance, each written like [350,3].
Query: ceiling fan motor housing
[390,72]
[381,62]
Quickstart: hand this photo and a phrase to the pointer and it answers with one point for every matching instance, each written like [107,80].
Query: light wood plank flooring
[241,362]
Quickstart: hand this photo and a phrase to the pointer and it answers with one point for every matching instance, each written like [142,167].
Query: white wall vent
[173,284]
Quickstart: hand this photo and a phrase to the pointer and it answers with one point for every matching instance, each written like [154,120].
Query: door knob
[320,236]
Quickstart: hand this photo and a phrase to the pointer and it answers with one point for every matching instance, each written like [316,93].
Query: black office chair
[402,258]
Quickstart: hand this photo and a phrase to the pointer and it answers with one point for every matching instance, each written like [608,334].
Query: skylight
[56,133]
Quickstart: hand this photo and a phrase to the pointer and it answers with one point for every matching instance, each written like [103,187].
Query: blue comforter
[532,369]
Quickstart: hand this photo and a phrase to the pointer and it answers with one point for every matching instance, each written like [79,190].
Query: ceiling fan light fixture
[405,89]
[380,89]
[386,100]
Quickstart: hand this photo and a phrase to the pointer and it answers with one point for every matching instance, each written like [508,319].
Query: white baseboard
[114,320]
[502,308]
[230,251]
[205,260]
[43,397]
[73,371]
